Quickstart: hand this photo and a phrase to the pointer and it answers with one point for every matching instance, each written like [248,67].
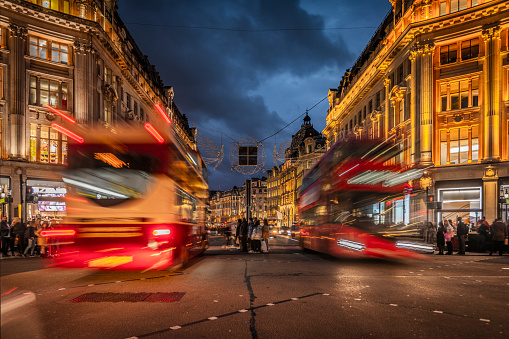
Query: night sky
[244,68]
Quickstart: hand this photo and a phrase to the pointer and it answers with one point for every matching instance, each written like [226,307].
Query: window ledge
[475,109]
[49,62]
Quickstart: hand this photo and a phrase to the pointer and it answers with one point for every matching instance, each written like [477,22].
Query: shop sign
[49,191]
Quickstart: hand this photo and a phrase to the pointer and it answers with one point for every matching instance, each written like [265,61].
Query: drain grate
[129,297]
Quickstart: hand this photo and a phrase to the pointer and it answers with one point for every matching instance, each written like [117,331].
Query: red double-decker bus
[358,200]
[135,201]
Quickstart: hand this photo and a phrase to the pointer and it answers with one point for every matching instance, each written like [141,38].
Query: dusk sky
[248,68]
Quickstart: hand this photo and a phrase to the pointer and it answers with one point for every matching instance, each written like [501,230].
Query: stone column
[83,81]
[415,104]
[426,104]
[17,81]
[491,94]
[387,111]
[490,193]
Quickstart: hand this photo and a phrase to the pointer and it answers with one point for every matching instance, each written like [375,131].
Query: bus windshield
[110,176]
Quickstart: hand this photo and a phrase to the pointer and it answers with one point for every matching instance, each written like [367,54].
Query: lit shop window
[48,92]
[33,143]
[39,48]
[459,94]
[459,145]
[56,5]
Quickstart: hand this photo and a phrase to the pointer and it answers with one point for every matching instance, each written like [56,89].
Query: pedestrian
[265,235]
[462,232]
[483,229]
[256,237]
[448,236]
[41,241]
[441,238]
[432,231]
[6,237]
[251,226]
[243,233]
[31,239]
[237,232]
[18,229]
[499,232]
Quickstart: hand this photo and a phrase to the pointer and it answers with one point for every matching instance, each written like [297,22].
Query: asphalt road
[285,293]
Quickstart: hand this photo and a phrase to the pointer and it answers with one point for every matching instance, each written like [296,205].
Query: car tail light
[58,233]
[161,232]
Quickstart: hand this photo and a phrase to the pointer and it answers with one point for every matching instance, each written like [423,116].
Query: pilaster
[491,94]
[415,104]
[17,81]
[387,111]
[83,75]
[426,103]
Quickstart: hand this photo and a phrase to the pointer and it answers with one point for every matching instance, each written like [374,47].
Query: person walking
[250,232]
[265,235]
[441,238]
[483,229]
[462,232]
[256,237]
[237,232]
[6,237]
[18,229]
[499,232]
[448,236]
[31,238]
[243,232]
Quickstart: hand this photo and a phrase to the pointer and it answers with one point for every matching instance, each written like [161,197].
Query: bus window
[186,206]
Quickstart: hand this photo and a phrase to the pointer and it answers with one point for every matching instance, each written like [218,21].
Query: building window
[38,47]
[51,145]
[460,146]
[470,49]
[448,54]
[459,94]
[400,74]
[377,102]
[48,92]
[107,111]
[59,53]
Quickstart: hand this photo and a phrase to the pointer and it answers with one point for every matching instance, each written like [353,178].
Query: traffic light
[30,197]
[430,202]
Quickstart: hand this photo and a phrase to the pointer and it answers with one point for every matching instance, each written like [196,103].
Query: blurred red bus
[135,201]
[357,201]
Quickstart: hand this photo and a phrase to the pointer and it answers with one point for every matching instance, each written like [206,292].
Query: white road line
[295,298]
[394,304]
[485,320]
[326,294]
[438,312]
[358,299]
[91,285]
[212,318]
[269,304]
[61,289]
[242,311]
[175,327]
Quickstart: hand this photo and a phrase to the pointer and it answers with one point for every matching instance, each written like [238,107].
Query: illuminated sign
[110,159]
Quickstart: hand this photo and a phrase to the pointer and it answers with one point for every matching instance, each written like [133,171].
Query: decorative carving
[491,33]
[16,31]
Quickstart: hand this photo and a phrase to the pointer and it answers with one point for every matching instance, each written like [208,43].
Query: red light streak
[63,115]
[151,129]
[9,291]
[163,114]
[77,199]
[68,133]
[58,233]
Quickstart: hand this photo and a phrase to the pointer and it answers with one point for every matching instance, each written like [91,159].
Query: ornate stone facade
[451,59]
[79,58]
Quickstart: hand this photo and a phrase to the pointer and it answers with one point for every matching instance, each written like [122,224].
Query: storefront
[5,196]
[47,201]
[464,202]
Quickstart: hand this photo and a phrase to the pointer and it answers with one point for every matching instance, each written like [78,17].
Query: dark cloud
[221,55]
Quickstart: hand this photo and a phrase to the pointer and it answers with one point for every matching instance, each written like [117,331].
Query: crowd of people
[248,236]
[492,237]
[25,238]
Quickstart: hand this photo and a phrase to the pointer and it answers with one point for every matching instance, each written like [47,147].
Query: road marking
[326,294]
[357,299]
[242,311]
[175,327]
[216,301]
[393,304]
[441,312]
[61,289]
[485,320]
[269,304]
[295,298]
[212,318]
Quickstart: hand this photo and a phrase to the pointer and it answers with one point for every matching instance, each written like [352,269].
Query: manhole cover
[129,297]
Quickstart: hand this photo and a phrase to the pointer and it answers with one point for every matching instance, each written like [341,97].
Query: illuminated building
[284,181]
[435,79]
[79,58]
[229,206]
